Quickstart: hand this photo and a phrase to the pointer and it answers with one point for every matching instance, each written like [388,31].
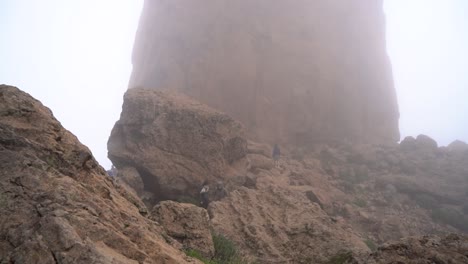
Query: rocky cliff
[297,72]
[57,205]
[318,203]
[331,204]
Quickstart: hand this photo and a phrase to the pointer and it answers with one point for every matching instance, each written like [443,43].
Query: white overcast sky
[75,56]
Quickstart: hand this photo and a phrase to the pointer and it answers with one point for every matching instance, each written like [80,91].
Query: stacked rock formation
[296,72]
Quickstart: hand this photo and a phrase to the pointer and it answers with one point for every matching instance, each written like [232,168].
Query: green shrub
[370,244]
[3,201]
[426,201]
[341,258]
[188,200]
[196,254]
[360,202]
[451,217]
[226,252]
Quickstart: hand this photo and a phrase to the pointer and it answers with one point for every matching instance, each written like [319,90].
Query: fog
[427,43]
[75,56]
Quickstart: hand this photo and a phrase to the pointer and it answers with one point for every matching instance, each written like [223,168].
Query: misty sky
[74,56]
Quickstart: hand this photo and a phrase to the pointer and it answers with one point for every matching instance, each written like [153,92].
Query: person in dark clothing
[219,192]
[112,172]
[204,194]
[276,155]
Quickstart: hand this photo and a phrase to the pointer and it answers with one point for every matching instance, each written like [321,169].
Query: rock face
[296,72]
[345,198]
[427,249]
[187,223]
[277,223]
[318,203]
[57,204]
[174,143]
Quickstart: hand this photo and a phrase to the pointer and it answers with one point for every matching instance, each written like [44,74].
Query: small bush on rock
[341,258]
[371,244]
[451,217]
[226,252]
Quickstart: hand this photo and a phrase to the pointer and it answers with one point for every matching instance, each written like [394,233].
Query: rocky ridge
[322,205]
[57,205]
[323,199]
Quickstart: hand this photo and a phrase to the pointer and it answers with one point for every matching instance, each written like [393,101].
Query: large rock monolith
[291,71]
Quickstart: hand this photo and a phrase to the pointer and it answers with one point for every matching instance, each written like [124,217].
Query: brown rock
[408,143]
[426,142]
[276,224]
[187,223]
[422,143]
[174,143]
[298,72]
[259,162]
[458,147]
[427,249]
[57,205]
[131,177]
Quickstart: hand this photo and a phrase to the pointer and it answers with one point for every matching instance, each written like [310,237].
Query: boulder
[426,142]
[257,161]
[57,205]
[422,143]
[458,147]
[408,143]
[186,223]
[174,143]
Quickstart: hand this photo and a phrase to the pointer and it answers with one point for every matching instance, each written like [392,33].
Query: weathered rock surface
[297,72]
[335,198]
[175,143]
[57,204]
[428,249]
[279,224]
[187,223]
[318,203]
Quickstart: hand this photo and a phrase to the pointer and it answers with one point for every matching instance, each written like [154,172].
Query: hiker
[220,191]
[204,194]
[112,172]
[276,155]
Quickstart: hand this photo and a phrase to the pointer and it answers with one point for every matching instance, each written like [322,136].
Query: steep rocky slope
[428,249]
[321,201]
[291,71]
[57,205]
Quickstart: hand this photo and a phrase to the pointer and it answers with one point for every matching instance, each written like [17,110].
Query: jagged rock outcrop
[319,202]
[421,143]
[57,205]
[186,223]
[297,72]
[335,198]
[428,249]
[278,223]
[174,143]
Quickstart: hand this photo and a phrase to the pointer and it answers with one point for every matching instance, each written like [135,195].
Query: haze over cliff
[296,72]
